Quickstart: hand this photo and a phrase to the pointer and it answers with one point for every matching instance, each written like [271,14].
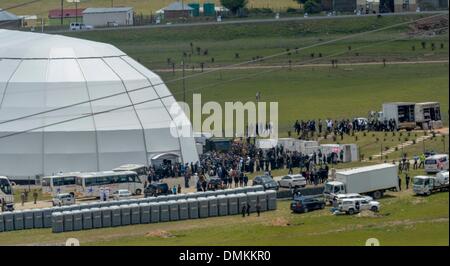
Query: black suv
[156,189]
[306,204]
[266,181]
[214,183]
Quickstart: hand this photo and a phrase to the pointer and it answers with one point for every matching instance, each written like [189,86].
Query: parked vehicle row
[426,185]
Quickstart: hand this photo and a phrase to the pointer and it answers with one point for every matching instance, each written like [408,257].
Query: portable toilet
[192,195]
[18,220]
[242,200]
[162,198]
[252,198]
[8,220]
[150,199]
[208,193]
[96,217]
[106,216]
[271,199]
[232,204]
[209,9]
[164,215]
[116,216]
[213,206]
[173,210]
[2,223]
[57,222]
[196,9]
[68,221]
[229,191]
[47,217]
[203,207]
[144,209]
[38,218]
[183,209]
[28,219]
[240,190]
[154,212]
[257,188]
[86,214]
[125,212]
[262,200]
[222,201]
[77,220]
[135,213]
[193,208]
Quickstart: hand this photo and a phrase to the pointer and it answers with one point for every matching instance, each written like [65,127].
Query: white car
[292,181]
[63,199]
[80,26]
[121,194]
[352,206]
[352,196]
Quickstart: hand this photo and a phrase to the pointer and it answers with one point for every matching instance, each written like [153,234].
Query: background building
[40,72]
[9,20]
[177,10]
[103,17]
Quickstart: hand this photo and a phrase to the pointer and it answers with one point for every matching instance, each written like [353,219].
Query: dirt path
[249,67]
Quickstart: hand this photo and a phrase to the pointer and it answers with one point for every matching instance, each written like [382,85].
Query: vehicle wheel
[138,192]
[73,194]
[305,210]
[374,209]
[377,194]
[351,211]
[322,206]
[428,193]
[290,186]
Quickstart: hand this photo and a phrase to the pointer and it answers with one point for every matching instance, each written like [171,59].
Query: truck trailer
[371,180]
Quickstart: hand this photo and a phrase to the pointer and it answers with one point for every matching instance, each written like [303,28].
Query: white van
[80,26]
[436,163]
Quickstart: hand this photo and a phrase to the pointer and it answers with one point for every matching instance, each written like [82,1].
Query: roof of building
[68,12]
[7,16]
[95,10]
[177,6]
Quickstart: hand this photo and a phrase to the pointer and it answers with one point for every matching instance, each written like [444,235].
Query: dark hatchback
[306,204]
[266,181]
[156,189]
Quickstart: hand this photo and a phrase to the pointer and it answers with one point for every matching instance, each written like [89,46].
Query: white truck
[403,113]
[425,185]
[371,180]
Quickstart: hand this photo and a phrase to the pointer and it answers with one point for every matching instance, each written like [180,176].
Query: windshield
[328,188]
[418,181]
[5,186]
[266,179]
[430,161]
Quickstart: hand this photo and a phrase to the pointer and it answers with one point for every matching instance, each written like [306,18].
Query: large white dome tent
[42,73]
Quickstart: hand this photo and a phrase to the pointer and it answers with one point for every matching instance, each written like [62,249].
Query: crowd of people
[343,126]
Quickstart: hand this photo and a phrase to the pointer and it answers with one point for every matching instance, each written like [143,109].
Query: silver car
[63,199]
[292,181]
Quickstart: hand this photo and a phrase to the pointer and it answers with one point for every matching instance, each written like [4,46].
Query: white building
[57,112]
[104,17]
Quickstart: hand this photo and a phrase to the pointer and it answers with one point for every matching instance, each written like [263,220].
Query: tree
[234,5]
[312,6]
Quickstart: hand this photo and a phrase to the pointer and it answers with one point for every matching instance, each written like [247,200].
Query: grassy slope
[404,220]
[140,6]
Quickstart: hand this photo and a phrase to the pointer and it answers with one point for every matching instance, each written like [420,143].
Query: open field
[140,6]
[404,220]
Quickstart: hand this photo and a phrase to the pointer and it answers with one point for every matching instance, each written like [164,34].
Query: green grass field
[140,6]
[404,220]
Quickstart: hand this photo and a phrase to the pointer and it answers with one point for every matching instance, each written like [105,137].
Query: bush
[260,11]
[292,10]
[312,6]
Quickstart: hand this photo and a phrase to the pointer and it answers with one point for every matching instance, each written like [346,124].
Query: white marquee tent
[41,72]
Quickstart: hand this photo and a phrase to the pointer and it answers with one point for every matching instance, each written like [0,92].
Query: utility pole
[62,12]
[184,83]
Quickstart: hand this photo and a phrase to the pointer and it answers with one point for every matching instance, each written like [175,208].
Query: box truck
[371,180]
[425,185]
[428,115]
[403,113]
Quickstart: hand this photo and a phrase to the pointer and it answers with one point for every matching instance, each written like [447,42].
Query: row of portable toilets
[137,211]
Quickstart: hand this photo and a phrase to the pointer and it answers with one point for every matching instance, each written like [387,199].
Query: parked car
[80,26]
[306,204]
[156,189]
[121,194]
[266,181]
[352,206]
[292,181]
[63,199]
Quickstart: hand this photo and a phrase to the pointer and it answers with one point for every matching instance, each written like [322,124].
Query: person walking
[416,158]
[243,210]
[399,183]
[422,161]
[407,179]
[35,196]
[248,209]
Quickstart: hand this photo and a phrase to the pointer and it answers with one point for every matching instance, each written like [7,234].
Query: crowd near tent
[68,104]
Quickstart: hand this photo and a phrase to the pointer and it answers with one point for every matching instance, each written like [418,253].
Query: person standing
[243,210]
[179,189]
[35,196]
[22,197]
[258,208]
[407,179]
[399,183]
[248,209]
